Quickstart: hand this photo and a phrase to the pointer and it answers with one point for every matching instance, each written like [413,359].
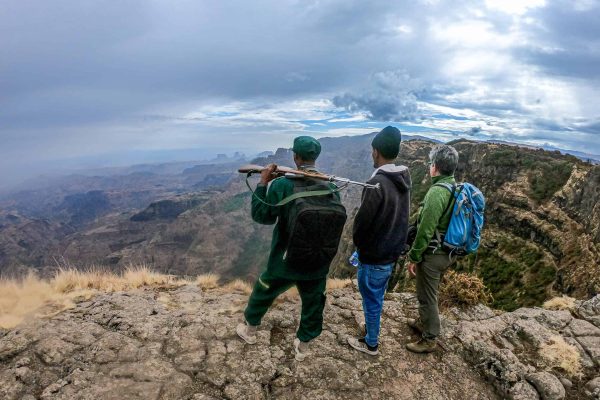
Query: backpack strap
[294,196]
[451,188]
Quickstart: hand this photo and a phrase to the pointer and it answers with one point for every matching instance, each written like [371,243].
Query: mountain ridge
[543,222]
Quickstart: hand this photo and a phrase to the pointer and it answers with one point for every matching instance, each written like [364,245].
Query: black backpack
[314,225]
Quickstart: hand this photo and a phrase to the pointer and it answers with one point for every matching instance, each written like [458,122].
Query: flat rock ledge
[180,343]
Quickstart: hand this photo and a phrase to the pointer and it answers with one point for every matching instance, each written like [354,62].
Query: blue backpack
[464,231]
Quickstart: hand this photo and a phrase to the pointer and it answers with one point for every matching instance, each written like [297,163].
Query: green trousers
[429,274]
[312,294]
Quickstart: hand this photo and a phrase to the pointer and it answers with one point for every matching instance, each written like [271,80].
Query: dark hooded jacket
[381,224]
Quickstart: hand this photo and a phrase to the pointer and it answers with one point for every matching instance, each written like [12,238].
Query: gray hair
[445,158]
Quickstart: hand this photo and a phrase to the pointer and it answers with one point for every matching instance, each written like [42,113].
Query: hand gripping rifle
[296,173]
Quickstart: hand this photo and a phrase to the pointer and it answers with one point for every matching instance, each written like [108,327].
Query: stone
[203,396]
[547,385]
[580,327]
[593,386]
[591,344]
[565,382]
[54,351]
[12,344]
[522,390]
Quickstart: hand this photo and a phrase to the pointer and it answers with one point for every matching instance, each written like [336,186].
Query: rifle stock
[281,170]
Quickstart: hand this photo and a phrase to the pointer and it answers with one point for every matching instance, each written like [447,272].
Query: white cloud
[151,75]
[514,7]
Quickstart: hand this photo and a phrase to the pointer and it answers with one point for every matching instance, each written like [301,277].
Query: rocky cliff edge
[180,343]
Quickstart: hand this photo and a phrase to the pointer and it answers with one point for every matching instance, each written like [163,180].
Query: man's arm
[369,206]
[433,207]
[261,212]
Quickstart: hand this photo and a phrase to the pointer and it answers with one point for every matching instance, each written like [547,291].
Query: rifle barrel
[281,170]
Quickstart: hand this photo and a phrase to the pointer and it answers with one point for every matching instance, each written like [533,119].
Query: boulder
[548,386]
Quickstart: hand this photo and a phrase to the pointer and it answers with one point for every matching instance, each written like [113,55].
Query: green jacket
[431,218]
[279,189]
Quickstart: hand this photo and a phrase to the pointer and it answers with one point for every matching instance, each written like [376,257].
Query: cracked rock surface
[180,343]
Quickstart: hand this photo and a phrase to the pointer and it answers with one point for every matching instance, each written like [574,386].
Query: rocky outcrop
[170,208]
[179,343]
[81,208]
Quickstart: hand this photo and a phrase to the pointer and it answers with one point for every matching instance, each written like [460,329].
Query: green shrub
[548,177]
[501,158]
[418,172]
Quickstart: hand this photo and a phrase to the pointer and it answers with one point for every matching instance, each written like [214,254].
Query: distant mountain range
[594,158]
[542,234]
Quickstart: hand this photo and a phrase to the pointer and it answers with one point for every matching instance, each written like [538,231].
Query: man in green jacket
[279,276]
[426,258]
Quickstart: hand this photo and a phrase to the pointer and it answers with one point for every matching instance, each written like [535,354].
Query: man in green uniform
[426,258]
[279,276]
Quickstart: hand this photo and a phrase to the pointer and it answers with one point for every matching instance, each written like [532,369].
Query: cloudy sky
[112,81]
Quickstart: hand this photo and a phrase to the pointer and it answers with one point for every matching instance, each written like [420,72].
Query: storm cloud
[87,79]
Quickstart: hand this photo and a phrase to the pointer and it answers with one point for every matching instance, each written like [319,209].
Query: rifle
[296,173]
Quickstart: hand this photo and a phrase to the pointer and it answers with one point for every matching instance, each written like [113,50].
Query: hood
[398,174]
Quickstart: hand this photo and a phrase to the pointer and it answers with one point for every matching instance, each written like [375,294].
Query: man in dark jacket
[279,275]
[380,228]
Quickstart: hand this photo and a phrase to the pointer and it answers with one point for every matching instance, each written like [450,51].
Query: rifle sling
[294,196]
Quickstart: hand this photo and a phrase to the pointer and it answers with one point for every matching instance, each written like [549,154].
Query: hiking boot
[422,346]
[361,345]
[416,324]
[301,349]
[247,332]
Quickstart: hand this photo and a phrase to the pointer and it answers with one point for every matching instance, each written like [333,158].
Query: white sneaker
[301,349]
[246,332]
[362,346]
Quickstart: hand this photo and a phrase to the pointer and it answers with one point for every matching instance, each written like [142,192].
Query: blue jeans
[372,283]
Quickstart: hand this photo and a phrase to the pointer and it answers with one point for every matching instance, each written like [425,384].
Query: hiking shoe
[301,349]
[416,324]
[246,332]
[361,345]
[422,346]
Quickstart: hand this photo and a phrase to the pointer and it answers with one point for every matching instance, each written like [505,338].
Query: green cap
[307,147]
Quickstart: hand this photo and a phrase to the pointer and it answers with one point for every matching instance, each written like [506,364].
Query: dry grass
[20,299]
[138,276]
[238,285]
[561,355]
[334,283]
[458,289]
[560,303]
[208,281]
[70,280]
[290,294]
[28,297]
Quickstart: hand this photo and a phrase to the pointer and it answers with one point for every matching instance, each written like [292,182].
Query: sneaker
[361,345]
[422,346]
[416,324]
[301,349]
[246,332]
